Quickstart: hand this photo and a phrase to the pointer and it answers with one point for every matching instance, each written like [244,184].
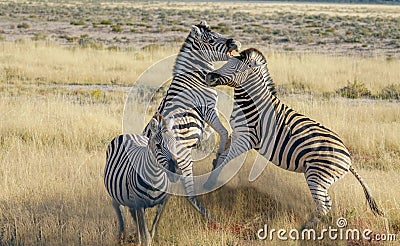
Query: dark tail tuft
[367,192]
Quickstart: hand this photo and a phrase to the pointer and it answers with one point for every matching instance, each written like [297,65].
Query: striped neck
[189,59]
[151,167]
[258,87]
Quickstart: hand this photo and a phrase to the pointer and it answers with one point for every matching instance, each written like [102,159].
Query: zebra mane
[204,25]
[186,47]
[163,123]
[258,56]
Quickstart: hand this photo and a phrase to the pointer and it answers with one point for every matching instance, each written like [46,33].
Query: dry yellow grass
[30,62]
[322,73]
[53,140]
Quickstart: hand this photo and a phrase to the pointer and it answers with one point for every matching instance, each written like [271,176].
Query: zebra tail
[367,192]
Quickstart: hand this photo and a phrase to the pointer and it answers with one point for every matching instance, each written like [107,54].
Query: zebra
[191,102]
[288,139]
[135,174]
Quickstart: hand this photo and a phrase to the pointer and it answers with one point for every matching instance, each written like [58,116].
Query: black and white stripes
[288,139]
[190,101]
[136,173]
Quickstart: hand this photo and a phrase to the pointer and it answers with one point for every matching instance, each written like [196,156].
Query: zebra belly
[140,202]
[144,194]
[299,154]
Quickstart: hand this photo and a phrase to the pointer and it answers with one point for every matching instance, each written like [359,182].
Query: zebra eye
[211,41]
[158,146]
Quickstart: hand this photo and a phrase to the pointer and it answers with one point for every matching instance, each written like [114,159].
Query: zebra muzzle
[233,45]
[212,79]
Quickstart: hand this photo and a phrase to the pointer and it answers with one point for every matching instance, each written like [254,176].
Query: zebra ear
[153,126]
[195,32]
[204,23]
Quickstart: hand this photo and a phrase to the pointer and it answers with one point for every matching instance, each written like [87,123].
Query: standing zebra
[288,139]
[135,174]
[191,102]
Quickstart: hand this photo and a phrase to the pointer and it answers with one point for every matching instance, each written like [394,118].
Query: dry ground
[61,104]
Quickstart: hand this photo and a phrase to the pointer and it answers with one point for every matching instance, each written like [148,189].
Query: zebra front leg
[143,229]
[158,213]
[134,214]
[239,146]
[216,124]
[121,225]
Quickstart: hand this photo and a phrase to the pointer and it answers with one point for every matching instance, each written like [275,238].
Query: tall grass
[31,62]
[43,63]
[53,141]
[52,158]
[322,73]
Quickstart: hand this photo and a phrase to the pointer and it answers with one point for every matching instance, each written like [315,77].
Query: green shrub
[77,23]
[105,22]
[354,90]
[116,28]
[23,25]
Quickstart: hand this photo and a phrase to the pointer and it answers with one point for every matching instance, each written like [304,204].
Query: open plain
[66,70]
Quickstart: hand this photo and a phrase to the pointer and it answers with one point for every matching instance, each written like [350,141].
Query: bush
[116,28]
[354,90]
[105,22]
[24,25]
[77,23]
[390,92]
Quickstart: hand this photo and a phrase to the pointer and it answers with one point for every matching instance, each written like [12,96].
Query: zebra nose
[211,79]
[233,45]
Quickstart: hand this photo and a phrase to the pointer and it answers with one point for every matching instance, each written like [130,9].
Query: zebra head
[162,144]
[238,70]
[211,45]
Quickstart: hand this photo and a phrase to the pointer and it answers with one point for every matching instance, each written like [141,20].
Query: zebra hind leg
[319,191]
[121,229]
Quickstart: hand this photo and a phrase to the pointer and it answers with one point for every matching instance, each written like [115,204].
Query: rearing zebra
[288,139]
[191,102]
[135,174]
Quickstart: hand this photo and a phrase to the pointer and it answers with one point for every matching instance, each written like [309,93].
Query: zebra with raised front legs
[135,174]
[191,102]
[288,139]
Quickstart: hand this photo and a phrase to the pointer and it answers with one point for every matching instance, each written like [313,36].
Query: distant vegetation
[329,28]
[345,1]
